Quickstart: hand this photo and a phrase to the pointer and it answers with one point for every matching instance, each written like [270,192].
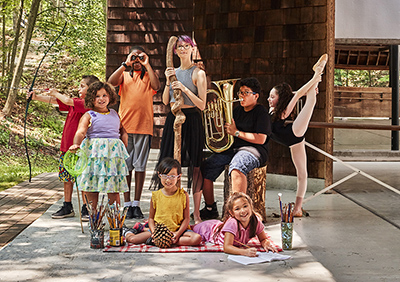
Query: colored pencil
[242,244]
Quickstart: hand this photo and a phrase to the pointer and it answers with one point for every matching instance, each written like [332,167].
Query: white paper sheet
[262,257]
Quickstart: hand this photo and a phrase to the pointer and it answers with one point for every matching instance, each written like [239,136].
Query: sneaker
[137,213]
[126,231]
[139,227]
[84,213]
[65,211]
[149,241]
[129,213]
[209,212]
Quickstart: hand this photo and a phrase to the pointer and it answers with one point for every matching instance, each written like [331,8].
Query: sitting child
[239,226]
[169,205]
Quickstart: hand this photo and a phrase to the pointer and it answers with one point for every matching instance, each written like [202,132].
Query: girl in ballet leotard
[282,102]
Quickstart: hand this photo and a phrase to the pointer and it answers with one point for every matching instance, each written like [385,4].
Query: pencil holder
[116,238]
[287,235]
[97,239]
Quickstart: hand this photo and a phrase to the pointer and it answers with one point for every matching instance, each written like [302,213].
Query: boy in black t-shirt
[251,128]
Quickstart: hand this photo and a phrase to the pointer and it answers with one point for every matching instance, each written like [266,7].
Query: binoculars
[141,57]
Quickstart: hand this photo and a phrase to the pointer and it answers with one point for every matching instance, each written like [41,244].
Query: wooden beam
[317,124]
[361,67]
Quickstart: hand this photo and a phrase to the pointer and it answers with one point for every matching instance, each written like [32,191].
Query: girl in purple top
[106,170]
[240,224]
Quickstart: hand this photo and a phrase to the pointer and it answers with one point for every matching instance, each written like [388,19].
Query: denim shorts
[243,161]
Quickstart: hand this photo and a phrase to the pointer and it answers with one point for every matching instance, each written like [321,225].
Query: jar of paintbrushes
[286,211]
[96,215]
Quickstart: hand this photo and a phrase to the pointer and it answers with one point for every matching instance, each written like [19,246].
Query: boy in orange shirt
[137,88]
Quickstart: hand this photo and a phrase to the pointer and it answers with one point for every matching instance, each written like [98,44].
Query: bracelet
[124,64]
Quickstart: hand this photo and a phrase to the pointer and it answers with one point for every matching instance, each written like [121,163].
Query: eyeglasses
[245,93]
[183,47]
[141,57]
[166,176]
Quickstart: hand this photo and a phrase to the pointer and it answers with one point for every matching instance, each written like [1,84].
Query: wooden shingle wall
[149,24]
[275,41]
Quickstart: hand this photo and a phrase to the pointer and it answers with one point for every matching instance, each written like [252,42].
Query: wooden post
[394,83]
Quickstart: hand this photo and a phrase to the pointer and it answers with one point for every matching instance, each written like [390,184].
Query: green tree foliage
[81,50]
[361,78]
[84,42]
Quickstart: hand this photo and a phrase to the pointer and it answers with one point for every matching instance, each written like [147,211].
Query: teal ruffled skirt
[106,170]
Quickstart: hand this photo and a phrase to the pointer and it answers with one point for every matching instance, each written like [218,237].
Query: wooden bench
[256,185]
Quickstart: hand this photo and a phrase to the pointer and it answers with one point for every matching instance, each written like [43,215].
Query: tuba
[218,111]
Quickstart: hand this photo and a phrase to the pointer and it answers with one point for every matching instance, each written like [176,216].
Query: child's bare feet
[197,220]
[320,65]
[196,217]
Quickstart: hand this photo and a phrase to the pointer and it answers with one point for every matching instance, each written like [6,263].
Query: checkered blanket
[203,247]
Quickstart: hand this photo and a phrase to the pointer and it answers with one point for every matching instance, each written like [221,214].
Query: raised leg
[300,124]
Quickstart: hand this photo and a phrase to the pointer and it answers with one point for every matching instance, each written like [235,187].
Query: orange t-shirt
[136,103]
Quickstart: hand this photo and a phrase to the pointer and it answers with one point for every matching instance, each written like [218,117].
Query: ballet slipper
[320,65]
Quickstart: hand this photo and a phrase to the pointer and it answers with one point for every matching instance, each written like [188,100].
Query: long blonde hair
[228,214]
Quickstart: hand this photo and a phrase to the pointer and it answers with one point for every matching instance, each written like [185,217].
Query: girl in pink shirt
[239,225]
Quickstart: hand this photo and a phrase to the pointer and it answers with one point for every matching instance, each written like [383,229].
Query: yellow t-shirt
[169,209]
[136,103]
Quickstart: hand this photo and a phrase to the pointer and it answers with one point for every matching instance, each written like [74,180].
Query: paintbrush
[124,213]
[280,205]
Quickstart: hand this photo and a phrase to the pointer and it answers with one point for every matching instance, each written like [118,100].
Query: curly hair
[229,208]
[89,79]
[252,83]
[94,88]
[285,94]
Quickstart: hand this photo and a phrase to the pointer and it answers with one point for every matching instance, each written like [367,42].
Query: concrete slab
[56,250]
[340,241]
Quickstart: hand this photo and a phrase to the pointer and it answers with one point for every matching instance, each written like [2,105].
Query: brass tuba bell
[218,111]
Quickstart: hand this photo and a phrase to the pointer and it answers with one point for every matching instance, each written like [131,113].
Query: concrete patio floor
[339,241]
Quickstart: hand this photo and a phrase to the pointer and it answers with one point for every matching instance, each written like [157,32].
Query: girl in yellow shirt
[169,205]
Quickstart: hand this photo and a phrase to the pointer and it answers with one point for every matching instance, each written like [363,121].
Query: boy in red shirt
[76,108]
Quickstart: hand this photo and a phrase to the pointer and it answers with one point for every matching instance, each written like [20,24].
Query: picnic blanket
[203,247]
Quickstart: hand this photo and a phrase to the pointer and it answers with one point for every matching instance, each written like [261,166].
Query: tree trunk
[3,45]
[21,60]
[17,30]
